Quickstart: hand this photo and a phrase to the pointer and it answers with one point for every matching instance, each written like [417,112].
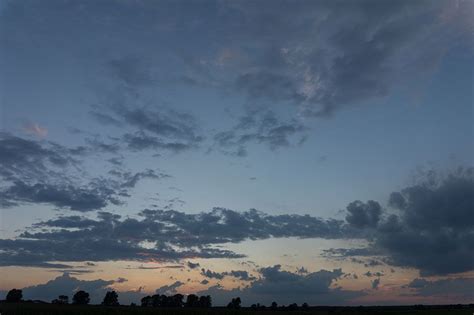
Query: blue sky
[290,108]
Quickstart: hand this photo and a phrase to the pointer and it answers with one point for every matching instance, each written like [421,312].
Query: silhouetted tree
[293,307]
[176,300]
[235,303]
[147,301]
[62,299]
[305,306]
[81,298]
[110,299]
[14,296]
[192,300]
[158,300]
[205,301]
[274,306]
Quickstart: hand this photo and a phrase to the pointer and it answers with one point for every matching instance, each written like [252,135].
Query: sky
[289,151]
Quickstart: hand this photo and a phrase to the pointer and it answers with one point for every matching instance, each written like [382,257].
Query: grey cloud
[49,173]
[68,285]
[375,284]
[433,229]
[169,289]
[239,274]
[95,195]
[325,55]
[85,198]
[287,287]
[259,126]
[363,215]
[211,274]
[176,235]
[192,265]
[461,288]
[139,141]
[373,274]
[154,129]
[23,158]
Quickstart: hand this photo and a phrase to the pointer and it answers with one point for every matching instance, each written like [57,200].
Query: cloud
[211,274]
[68,285]
[432,230]
[95,195]
[239,274]
[192,265]
[363,215]
[23,158]
[320,57]
[157,128]
[460,288]
[375,284]
[259,126]
[49,173]
[169,289]
[35,129]
[286,287]
[172,234]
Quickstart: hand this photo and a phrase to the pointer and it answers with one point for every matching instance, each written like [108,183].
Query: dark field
[46,309]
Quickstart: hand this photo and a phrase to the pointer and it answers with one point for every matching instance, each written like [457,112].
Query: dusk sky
[289,151]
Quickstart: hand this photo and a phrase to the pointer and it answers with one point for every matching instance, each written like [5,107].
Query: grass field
[47,309]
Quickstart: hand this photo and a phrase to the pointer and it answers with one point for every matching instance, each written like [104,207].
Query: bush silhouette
[14,296]
[235,303]
[205,301]
[110,299]
[62,299]
[81,298]
[192,300]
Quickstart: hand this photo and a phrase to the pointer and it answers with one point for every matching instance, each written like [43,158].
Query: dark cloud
[373,274]
[322,56]
[173,235]
[95,195]
[49,173]
[433,229]
[363,215]
[192,265]
[24,159]
[68,285]
[286,287]
[239,274]
[211,274]
[259,126]
[460,288]
[155,128]
[375,284]
[169,289]
[84,198]
[139,141]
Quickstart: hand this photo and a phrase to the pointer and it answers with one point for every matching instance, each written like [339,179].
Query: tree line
[157,300]
[111,299]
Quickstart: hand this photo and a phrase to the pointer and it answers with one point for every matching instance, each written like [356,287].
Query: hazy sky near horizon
[306,151]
